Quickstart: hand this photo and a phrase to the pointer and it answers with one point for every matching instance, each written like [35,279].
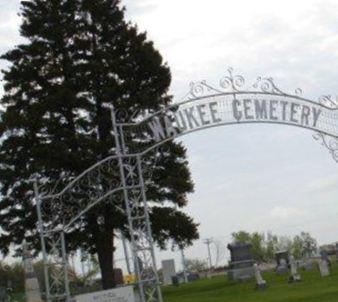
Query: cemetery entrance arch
[122,178]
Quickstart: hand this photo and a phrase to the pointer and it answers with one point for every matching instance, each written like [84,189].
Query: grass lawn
[313,288]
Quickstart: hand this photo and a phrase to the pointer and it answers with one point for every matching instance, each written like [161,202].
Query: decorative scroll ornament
[236,83]
[233,82]
[331,143]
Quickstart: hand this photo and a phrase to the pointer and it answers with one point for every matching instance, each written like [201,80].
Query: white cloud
[280,212]
[321,185]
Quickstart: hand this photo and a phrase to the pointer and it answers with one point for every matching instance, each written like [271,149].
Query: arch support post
[55,260]
[137,211]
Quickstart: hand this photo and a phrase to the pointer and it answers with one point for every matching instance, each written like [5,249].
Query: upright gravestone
[294,277]
[32,289]
[118,276]
[282,259]
[325,256]
[169,271]
[241,264]
[308,264]
[324,268]
[4,296]
[260,282]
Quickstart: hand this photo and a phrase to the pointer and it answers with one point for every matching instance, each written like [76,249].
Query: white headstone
[121,294]
[32,289]
[324,268]
[168,269]
[260,282]
[294,272]
[282,267]
[283,262]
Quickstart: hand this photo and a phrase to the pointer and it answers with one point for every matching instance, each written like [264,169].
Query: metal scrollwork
[235,83]
[80,193]
[331,143]
[328,101]
[232,82]
[267,85]
[199,89]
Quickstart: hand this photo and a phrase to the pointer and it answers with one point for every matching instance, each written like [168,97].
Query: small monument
[169,271]
[308,264]
[260,282]
[118,276]
[325,256]
[324,268]
[241,264]
[282,259]
[294,277]
[4,296]
[32,289]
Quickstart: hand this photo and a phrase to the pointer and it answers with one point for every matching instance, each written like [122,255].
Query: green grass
[313,288]
[17,297]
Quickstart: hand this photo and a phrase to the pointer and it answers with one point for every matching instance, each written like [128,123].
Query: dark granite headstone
[118,276]
[282,259]
[193,277]
[241,264]
[4,296]
[282,255]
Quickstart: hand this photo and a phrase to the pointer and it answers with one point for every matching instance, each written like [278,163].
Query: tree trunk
[105,256]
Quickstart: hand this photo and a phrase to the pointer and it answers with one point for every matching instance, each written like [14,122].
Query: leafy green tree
[271,243]
[258,246]
[81,55]
[297,247]
[12,275]
[265,247]
[303,245]
[196,265]
[241,237]
[284,243]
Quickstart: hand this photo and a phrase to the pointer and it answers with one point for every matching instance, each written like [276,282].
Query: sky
[247,177]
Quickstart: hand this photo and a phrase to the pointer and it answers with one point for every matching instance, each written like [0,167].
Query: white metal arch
[230,104]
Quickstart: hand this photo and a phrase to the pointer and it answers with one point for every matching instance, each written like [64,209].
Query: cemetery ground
[312,288]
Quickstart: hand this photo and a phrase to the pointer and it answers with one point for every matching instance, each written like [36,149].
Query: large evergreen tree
[79,56]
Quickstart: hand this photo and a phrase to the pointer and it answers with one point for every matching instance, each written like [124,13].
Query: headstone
[118,276]
[308,265]
[169,271]
[260,282]
[324,268]
[193,277]
[241,264]
[121,294]
[4,296]
[325,256]
[175,280]
[32,289]
[294,277]
[282,259]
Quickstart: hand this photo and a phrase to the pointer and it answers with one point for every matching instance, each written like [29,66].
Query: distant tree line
[264,246]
